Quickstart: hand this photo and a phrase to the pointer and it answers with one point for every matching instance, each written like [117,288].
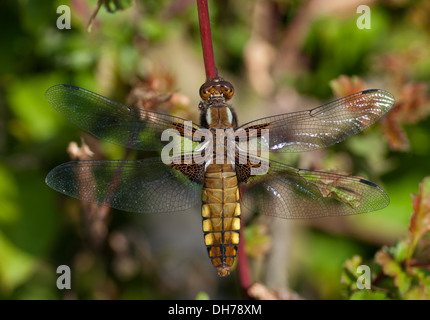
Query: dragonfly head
[216,89]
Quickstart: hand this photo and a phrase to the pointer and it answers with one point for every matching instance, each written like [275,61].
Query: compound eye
[218,85]
[205,92]
[227,90]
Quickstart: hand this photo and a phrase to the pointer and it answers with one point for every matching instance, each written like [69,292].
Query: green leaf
[8,197]
[400,250]
[393,269]
[202,296]
[416,293]
[348,278]
[258,242]
[422,290]
[420,220]
[15,264]
[369,295]
[115,5]
[29,226]
[349,275]
[35,118]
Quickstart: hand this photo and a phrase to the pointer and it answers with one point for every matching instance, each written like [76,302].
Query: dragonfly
[246,179]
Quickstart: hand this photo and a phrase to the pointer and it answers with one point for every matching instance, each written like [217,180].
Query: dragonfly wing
[292,193]
[114,122]
[320,127]
[145,186]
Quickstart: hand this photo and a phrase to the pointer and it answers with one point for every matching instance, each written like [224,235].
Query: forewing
[146,186]
[320,127]
[292,193]
[114,122]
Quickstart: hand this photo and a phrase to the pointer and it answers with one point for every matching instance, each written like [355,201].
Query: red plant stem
[243,264]
[206,37]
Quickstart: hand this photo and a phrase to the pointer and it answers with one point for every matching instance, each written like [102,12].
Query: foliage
[281,56]
[403,270]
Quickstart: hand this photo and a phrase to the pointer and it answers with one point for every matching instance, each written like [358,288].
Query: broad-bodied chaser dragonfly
[152,186]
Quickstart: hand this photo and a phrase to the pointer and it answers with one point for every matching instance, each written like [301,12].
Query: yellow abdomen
[221,216]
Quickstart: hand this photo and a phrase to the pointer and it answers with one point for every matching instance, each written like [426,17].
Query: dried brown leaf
[394,134]
[346,85]
[413,104]
[420,220]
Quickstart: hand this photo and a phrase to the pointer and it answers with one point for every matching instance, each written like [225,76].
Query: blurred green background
[281,56]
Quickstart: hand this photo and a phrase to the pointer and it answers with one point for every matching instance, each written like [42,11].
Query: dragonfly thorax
[219,117]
